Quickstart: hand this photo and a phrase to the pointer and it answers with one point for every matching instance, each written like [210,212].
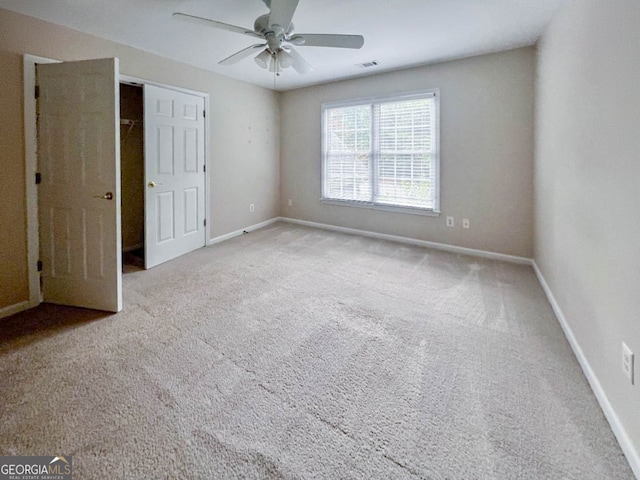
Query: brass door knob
[106,196]
[152,184]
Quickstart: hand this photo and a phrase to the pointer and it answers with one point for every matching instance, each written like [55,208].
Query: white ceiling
[398,33]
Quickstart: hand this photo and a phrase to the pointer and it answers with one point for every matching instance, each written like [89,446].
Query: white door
[174,174]
[79,194]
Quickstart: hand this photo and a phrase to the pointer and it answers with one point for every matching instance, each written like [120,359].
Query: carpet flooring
[292,352]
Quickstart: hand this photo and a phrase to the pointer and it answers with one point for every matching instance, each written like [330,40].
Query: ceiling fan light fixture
[263,59]
[285,59]
[274,66]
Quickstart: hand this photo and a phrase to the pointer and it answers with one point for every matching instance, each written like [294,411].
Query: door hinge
[39,265]
[38,178]
[204,113]
[204,168]
[205,222]
[37,92]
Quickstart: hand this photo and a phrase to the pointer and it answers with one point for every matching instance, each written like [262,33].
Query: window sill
[385,208]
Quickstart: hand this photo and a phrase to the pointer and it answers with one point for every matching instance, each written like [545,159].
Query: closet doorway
[163,173]
[132,175]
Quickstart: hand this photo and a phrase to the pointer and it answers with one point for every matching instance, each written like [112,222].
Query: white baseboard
[237,233]
[16,308]
[414,241]
[633,457]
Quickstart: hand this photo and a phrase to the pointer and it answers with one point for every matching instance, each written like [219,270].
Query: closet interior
[132,174]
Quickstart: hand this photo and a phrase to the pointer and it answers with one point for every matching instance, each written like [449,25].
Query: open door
[79,194]
[174,137]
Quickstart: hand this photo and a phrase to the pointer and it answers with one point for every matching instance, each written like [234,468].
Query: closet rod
[126,121]
[130,123]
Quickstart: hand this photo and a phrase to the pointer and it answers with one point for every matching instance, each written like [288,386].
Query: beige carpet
[291,352]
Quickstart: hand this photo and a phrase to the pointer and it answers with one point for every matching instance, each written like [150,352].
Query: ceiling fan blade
[244,53]
[282,12]
[215,24]
[330,40]
[300,65]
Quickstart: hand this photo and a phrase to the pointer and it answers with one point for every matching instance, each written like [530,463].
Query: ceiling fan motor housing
[274,34]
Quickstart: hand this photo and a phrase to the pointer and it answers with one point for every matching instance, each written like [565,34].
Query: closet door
[79,193]
[174,138]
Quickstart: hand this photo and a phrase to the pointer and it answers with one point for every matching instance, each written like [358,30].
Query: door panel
[166,207]
[174,174]
[78,157]
[190,210]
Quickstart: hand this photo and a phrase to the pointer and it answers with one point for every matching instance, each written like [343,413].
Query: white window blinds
[347,157]
[383,152]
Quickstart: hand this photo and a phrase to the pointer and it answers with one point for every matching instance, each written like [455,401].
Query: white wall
[587,187]
[487,107]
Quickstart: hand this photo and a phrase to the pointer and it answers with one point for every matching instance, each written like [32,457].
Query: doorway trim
[31,167]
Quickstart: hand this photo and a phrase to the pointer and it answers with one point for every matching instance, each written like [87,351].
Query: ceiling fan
[277,30]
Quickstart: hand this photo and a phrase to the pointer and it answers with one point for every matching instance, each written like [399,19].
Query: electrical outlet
[451,222]
[290,202]
[627,362]
[252,207]
[466,223]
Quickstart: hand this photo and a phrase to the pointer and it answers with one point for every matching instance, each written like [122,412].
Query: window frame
[370,101]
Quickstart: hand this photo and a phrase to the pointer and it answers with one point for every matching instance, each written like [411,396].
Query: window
[382,152]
